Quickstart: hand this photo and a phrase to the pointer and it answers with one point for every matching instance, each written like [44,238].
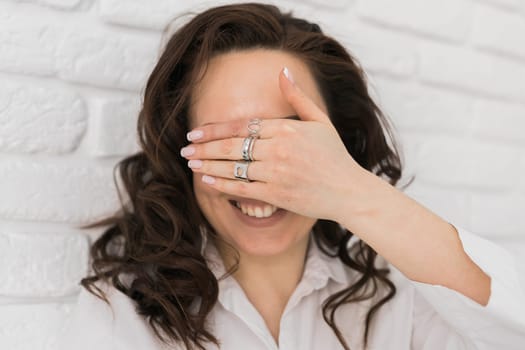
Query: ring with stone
[240,171]
[254,126]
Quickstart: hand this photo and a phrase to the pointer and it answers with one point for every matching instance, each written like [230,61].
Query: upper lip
[249,201]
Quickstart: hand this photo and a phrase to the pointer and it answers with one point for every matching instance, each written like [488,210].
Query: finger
[304,106]
[255,190]
[236,129]
[230,149]
[226,169]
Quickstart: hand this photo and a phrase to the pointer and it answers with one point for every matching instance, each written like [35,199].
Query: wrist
[364,199]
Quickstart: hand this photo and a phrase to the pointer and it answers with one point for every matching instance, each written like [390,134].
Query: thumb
[304,106]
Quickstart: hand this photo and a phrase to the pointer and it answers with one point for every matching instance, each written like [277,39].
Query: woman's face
[244,84]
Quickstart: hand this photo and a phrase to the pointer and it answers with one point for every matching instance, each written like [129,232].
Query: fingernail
[208,179]
[187,151]
[195,163]
[194,135]
[288,75]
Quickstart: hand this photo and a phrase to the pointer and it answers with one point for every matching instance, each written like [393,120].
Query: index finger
[235,128]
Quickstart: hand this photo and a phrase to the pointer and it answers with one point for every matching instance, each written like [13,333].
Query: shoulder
[90,324]
[95,324]
[94,308]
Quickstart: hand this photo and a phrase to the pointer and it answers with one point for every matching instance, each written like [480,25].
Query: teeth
[259,212]
[268,210]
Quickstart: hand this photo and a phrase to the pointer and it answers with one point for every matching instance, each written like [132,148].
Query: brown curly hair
[155,237]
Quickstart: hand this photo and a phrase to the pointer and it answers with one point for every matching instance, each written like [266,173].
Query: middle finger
[228,149]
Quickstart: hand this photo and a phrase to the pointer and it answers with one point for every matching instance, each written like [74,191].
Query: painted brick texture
[449,74]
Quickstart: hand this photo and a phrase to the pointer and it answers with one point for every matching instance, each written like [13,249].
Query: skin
[423,246]
[272,258]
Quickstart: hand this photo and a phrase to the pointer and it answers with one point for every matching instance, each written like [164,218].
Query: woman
[258,205]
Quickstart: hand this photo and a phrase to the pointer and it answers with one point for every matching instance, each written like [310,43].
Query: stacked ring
[247,148]
[240,170]
[250,149]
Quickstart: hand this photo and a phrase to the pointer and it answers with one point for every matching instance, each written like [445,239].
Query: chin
[272,244]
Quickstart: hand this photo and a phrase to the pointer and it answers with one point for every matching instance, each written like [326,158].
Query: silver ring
[247,148]
[240,171]
[250,148]
[254,126]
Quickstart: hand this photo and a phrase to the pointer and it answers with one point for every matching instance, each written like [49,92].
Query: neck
[280,273]
[268,281]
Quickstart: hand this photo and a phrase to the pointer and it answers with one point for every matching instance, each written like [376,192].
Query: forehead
[245,84]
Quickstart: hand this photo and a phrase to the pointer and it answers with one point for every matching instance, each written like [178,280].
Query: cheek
[200,191]
[204,193]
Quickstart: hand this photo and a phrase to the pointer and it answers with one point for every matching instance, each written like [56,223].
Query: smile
[255,210]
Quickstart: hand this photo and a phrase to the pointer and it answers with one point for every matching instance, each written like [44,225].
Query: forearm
[419,243]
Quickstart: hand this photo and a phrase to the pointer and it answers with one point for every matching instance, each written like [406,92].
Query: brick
[474,165]
[40,119]
[142,14]
[509,4]
[107,59]
[100,56]
[62,191]
[499,121]
[521,168]
[42,264]
[498,214]
[61,4]
[379,50]
[58,4]
[333,4]
[424,109]
[447,19]
[472,71]
[26,47]
[408,146]
[114,127]
[450,204]
[33,326]
[499,31]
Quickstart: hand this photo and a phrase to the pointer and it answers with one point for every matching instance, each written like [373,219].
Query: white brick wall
[449,73]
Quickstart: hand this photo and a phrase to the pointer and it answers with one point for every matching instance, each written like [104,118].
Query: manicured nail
[195,163]
[194,135]
[288,75]
[208,179]
[187,151]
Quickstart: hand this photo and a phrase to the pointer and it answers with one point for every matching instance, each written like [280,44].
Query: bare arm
[423,246]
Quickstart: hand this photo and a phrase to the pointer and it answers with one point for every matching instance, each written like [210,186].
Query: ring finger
[225,169]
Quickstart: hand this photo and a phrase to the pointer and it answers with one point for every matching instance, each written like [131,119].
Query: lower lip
[259,222]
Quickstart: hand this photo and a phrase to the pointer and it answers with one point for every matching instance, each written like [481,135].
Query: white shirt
[420,316]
